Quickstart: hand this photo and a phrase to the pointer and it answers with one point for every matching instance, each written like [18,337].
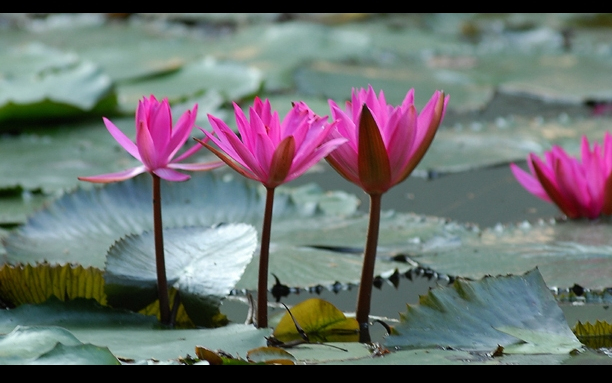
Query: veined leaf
[202,264]
[474,315]
[21,284]
[595,336]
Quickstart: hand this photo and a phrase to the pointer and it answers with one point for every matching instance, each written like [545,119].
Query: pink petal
[159,123]
[114,177]
[122,139]
[181,132]
[146,147]
[197,167]
[171,175]
[529,182]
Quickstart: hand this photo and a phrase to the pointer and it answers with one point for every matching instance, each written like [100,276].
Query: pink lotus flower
[580,188]
[157,142]
[270,151]
[385,143]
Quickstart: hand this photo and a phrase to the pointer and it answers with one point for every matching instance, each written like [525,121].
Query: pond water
[485,197]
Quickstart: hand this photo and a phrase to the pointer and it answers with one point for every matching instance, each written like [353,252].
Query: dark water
[484,197]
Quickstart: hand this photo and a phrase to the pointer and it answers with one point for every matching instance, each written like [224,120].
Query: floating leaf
[36,283]
[566,252]
[231,79]
[270,355]
[474,316]
[202,264]
[62,153]
[595,336]
[277,49]
[50,345]
[39,83]
[128,334]
[321,322]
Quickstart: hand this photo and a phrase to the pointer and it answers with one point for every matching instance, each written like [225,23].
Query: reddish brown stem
[367,272]
[264,255]
[162,283]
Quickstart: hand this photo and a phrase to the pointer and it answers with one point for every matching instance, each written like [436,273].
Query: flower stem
[367,272]
[162,284]
[264,255]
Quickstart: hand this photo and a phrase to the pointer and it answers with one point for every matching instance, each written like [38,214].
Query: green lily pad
[202,264]
[129,335]
[50,345]
[64,152]
[39,83]
[565,252]
[473,315]
[231,79]
[277,49]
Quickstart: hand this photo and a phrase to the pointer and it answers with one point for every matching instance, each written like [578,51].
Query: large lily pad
[231,79]
[130,335]
[51,159]
[50,345]
[41,83]
[317,238]
[202,264]
[473,316]
[277,49]
[565,252]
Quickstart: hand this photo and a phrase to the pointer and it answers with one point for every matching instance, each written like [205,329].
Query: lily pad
[566,252]
[64,152]
[50,345]
[277,49]
[472,315]
[129,335]
[39,83]
[202,264]
[231,79]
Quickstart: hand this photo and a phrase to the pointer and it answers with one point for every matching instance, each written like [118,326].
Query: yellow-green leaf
[320,320]
[598,335]
[35,284]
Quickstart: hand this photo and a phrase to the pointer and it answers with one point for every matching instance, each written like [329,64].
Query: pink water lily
[385,142]
[157,142]
[579,187]
[272,152]
[269,150]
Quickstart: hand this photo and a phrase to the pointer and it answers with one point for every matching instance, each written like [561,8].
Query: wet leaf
[36,283]
[473,315]
[595,336]
[231,79]
[50,345]
[270,355]
[321,322]
[39,83]
[202,264]
[566,252]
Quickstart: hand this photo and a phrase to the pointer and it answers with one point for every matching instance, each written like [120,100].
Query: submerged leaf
[516,312]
